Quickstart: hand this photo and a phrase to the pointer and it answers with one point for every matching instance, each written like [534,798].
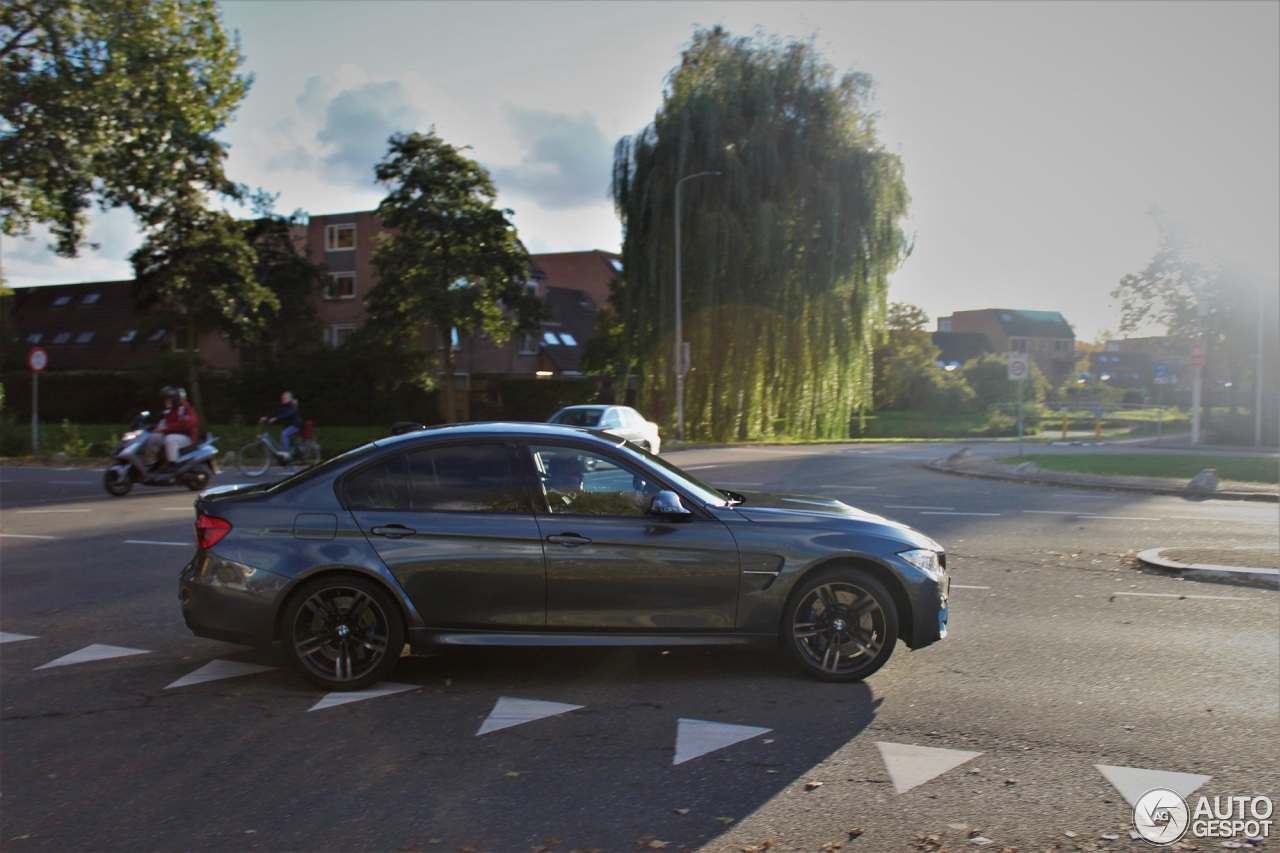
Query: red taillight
[210,530]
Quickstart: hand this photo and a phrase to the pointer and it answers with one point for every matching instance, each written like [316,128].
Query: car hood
[764,508]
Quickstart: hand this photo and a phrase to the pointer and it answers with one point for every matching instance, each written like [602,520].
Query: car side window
[581,482]
[473,478]
[464,478]
[611,419]
[383,485]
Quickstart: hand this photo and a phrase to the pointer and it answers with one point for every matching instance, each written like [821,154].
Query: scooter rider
[179,427]
[288,417]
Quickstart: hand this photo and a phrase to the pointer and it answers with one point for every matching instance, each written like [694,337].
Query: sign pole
[37,360]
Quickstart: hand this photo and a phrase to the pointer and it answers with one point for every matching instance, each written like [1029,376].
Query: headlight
[924,560]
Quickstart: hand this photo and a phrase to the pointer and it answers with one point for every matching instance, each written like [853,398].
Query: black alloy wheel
[343,633]
[840,625]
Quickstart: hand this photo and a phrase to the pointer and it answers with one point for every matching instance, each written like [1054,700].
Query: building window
[342,285]
[128,336]
[90,298]
[529,343]
[84,337]
[550,338]
[339,238]
[336,335]
[157,336]
[1062,345]
[568,339]
[1017,344]
[61,337]
[35,337]
[61,301]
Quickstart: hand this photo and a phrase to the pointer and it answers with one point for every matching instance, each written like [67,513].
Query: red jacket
[181,419]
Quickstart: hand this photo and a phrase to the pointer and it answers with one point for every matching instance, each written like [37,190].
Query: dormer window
[61,301]
[128,336]
[90,298]
[84,337]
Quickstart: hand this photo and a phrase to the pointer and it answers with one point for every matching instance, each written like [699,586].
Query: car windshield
[688,482]
[578,417]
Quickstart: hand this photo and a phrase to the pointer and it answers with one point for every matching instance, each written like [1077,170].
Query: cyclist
[287,416]
[179,427]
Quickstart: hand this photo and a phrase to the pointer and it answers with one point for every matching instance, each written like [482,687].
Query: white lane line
[1218,520]
[46,511]
[843,486]
[984,514]
[1176,595]
[1050,512]
[909,506]
[699,467]
[153,542]
[729,483]
[962,586]
[25,536]
[177,508]
[1122,517]
[1083,497]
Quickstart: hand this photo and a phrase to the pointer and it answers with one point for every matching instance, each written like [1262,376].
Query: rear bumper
[228,601]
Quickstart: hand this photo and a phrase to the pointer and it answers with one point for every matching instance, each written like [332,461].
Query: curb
[1089,481]
[1269,578]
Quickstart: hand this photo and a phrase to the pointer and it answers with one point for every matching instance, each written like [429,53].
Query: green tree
[111,100]
[449,258]
[907,375]
[197,275]
[283,268]
[988,376]
[786,255]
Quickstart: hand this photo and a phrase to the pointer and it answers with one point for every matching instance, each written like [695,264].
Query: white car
[622,421]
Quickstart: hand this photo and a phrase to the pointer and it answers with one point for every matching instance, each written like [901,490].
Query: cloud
[358,123]
[568,164]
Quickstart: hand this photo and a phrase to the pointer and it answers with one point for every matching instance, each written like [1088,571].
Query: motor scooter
[196,464]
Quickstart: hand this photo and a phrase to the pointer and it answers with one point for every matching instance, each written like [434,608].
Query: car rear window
[578,417]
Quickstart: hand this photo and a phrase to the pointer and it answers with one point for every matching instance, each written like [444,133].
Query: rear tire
[198,479]
[840,625]
[343,632]
[309,455]
[254,459]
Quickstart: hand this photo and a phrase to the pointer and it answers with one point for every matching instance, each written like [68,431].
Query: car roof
[500,429]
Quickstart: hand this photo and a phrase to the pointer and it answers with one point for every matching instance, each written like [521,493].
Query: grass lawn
[1244,469]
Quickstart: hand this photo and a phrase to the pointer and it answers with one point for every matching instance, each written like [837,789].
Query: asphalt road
[1063,657]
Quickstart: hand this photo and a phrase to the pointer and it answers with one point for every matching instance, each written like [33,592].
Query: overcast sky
[1036,136]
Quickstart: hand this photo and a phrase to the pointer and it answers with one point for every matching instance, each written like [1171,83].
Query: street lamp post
[680,361]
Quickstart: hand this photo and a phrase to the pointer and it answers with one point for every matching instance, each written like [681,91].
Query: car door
[612,566]
[454,524]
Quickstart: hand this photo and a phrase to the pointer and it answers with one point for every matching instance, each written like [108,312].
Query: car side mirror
[666,504]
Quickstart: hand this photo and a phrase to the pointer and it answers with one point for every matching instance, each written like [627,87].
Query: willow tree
[786,255]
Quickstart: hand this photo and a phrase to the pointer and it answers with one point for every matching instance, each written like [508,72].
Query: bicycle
[256,457]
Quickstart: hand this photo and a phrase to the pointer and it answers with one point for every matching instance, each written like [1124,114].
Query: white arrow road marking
[910,766]
[698,737]
[14,638]
[382,688]
[512,712]
[1133,782]
[92,653]
[218,670]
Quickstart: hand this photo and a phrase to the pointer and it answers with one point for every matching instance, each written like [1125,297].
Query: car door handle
[569,540]
[393,531]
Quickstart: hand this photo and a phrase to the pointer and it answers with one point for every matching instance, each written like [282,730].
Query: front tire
[254,459]
[840,625]
[118,482]
[343,633]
